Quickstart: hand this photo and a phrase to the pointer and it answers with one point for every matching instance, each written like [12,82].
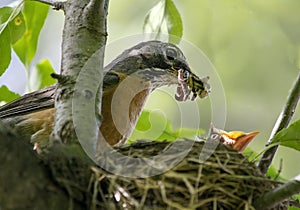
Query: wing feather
[44,99]
[31,102]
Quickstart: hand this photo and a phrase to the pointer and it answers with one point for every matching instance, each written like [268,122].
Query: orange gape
[128,81]
[236,139]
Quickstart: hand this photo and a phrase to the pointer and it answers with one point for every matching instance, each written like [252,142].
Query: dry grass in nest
[226,180]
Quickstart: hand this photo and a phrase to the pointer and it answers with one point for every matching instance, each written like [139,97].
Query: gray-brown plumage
[128,81]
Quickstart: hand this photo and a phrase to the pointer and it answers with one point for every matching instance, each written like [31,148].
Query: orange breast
[36,126]
[121,108]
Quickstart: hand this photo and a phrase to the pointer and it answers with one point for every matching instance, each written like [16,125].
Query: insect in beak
[189,82]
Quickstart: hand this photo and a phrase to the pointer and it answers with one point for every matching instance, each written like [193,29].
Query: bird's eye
[171,54]
[214,136]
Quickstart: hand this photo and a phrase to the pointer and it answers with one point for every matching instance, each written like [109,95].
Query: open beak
[238,140]
[243,141]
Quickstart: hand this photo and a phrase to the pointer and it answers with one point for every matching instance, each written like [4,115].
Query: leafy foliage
[41,76]
[20,30]
[12,27]
[153,125]
[35,15]
[164,18]
[5,51]
[297,199]
[6,95]
[289,137]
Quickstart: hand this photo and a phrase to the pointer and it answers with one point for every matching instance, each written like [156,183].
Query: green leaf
[12,19]
[143,123]
[153,22]
[153,125]
[174,22]
[273,173]
[289,137]
[150,125]
[35,15]
[5,51]
[295,198]
[17,28]
[7,95]
[40,76]
[164,18]
[12,27]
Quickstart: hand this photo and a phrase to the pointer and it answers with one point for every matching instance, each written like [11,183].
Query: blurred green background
[253,44]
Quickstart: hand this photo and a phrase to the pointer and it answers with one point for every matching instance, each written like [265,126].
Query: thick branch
[278,195]
[282,122]
[25,182]
[78,94]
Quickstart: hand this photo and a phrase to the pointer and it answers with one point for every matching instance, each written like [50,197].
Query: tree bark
[25,182]
[84,39]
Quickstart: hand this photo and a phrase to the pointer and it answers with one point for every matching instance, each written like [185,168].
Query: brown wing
[31,102]
[44,99]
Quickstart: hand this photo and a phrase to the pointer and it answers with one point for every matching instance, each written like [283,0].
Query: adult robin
[128,81]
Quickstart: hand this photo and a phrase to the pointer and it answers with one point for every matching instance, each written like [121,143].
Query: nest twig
[227,180]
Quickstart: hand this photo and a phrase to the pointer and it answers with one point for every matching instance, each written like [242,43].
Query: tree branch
[25,182]
[282,122]
[78,94]
[57,5]
[278,195]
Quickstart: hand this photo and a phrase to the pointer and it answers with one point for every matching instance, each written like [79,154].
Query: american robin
[128,81]
[236,140]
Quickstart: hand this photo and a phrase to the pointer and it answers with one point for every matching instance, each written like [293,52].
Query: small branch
[60,78]
[278,195]
[57,5]
[282,122]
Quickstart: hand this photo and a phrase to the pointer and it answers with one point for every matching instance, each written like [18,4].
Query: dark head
[162,64]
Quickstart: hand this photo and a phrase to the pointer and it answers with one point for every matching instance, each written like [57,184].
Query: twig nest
[226,180]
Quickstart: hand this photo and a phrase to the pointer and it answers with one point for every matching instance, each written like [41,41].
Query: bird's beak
[243,141]
[252,134]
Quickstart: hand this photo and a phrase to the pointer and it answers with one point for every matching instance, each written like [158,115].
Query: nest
[226,180]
